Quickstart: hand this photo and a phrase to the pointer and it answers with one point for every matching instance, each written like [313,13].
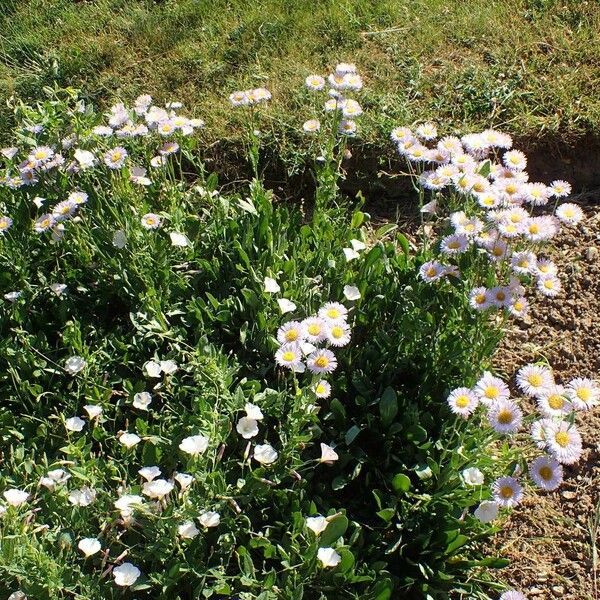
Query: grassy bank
[529,67]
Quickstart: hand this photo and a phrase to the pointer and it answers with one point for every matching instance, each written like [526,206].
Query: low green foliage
[398,512]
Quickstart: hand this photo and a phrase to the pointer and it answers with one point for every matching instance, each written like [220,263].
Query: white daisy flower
[564,442]
[311,126]
[455,244]
[290,332]
[505,416]
[479,298]
[507,491]
[322,389]
[151,221]
[315,82]
[546,472]
[515,160]
[533,379]
[115,158]
[321,361]
[315,329]
[583,393]
[560,188]
[552,401]
[549,285]
[491,389]
[289,356]
[540,430]
[462,401]
[338,334]
[569,213]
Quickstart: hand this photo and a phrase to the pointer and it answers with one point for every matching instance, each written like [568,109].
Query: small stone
[592,253]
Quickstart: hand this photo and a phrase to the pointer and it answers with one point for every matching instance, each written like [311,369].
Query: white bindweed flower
[473,476]
[83,497]
[487,511]
[247,427]
[209,518]
[265,454]
[85,158]
[179,239]
[74,424]
[168,367]
[58,288]
[271,286]
[15,497]
[350,254]
[129,440]
[351,292]
[184,480]
[158,489]
[89,546]
[194,445]
[253,411]
[12,296]
[328,557]
[54,478]
[285,305]
[317,524]
[126,504]
[74,365]
[187,530]
[152,369]
[93,410]
[142,400]
[328,454]
[149,473]
[126,575]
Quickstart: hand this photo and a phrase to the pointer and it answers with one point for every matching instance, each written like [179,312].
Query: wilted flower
[126,574]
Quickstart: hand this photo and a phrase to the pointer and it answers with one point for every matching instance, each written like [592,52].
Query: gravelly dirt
[549,538]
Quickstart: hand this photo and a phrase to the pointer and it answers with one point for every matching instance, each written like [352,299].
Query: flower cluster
[249,97]
[555,432]
[503,217]
[343,80]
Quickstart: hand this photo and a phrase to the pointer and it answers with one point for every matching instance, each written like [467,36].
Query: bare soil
[551,538]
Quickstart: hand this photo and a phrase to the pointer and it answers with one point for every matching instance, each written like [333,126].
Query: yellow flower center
[288,356]
[523,263]
[45,223]
[322,362]
[584,394]
[556,402]
[333,313]
[562,438]
[511,188]
[500,296]
[480,299]
[314,329]
[462,401]
[291,335]
[519,305]
[491,392]
[505,417]
[545,473]
[534,228]
[337,332]
[506,492]
[549,284]
[320,389]
[431,272]
[535,379]
[497,251]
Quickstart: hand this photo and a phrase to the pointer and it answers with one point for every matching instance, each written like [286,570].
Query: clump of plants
[217,394]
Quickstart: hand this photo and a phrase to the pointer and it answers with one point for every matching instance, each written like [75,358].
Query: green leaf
[385,229]
[404,244]
[388,406]
[458,542]
[334,530]
[401,482]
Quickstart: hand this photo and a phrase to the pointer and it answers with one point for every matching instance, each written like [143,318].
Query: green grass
[528,66]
